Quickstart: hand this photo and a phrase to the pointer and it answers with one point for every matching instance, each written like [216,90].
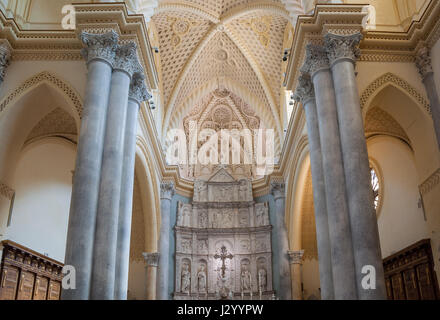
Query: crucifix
[223,256]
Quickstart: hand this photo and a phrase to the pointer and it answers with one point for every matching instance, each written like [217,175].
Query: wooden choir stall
[28,275]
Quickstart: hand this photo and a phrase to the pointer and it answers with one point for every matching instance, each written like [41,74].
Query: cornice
[377,46]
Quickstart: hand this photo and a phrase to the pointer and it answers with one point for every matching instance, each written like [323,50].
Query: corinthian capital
[296,257]
[316,59]
[99,46]
[277,189]
[5,57]
[166,190]
[151,258]
[126,59]
[342,47]
[138,89]
[423,62]
[304,90]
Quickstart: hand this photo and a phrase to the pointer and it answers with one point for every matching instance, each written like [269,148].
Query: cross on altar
[223,256]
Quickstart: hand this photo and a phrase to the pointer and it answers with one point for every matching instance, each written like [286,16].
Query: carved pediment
[222,176]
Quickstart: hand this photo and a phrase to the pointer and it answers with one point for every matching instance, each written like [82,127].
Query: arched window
[375,184]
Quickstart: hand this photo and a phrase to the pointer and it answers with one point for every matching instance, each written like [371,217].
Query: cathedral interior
[219,150]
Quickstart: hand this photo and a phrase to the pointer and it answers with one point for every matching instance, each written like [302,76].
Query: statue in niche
[243,221]
[185,278]
[201,278]
[203,245]
[243,188]
[200,189]
[261,216]
[227,219]
[246,278]
[262,279]
[223,192]
[203,219]
[186,217]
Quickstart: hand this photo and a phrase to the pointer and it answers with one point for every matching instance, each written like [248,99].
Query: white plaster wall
[401,222]
[310,275]
[43,184]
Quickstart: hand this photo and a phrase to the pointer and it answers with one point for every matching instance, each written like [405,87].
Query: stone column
[305,93]
[104,254]
[152,261]
[99,54]
[278,192]
[342,53]
[5,57]
[317,65]
[423,63]
[137,94]
[166,194]
[296,260]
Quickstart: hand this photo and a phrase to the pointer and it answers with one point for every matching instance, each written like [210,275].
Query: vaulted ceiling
[205,45]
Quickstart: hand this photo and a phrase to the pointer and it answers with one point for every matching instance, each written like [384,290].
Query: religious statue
[203,219]
[261,215]
[246,279]
[201,279]
[243,190]
[185,278]
[200,191]
[262,279]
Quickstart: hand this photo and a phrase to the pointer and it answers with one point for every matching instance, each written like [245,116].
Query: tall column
[166,194]
[152,261]
[99,53]
[104,254]
[317,65]
[137,94]
[423,63]
[278,192]
[5,57]
[306,94]
[296,260]
[342,53]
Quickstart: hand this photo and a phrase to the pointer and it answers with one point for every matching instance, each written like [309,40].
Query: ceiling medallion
[261,27]
[221,55]
[180,27]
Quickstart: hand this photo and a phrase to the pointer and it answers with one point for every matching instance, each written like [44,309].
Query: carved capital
[166,190]
[138,90]
[296,257]
[316,59]
[277,189]
[99,46]
[423,62]
[126,59]
[151,258]
[5,57]
[304,91]
[342,46]
[6,191]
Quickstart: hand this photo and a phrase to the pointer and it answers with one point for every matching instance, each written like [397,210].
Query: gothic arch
[389,78]
[70,95]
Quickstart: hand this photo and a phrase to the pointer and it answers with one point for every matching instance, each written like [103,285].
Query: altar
[223,242]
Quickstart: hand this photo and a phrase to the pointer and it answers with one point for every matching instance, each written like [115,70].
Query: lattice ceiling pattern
[378,121]
[238,41]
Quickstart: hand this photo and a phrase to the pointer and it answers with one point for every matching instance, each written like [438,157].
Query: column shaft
[280,230]
[424,65]
[364,229]
[167,191]
[82,218]
[137,94]
[296,259]
[338,216]
[151,260]
[306,94]
[126,203]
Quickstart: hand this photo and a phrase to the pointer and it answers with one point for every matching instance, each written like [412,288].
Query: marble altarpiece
[223,242]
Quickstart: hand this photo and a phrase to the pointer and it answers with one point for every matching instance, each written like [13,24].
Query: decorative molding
[6,191]
[42,77]
[430,183]
[296,257]
[5,57]
[423,62]
[151,258]
[392,78]
[304,90]
[342,47]
[99,46]
[167,190]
